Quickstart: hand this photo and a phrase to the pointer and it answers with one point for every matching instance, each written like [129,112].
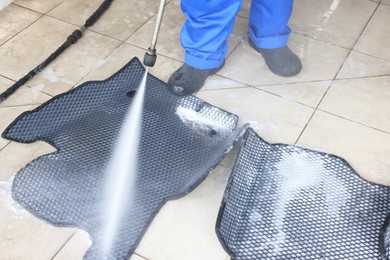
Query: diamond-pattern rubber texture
[176,154]
[285,202]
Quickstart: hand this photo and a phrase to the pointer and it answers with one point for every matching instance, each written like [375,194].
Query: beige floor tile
[76,12]
[8,115]
[185,228]
[16,155]
[168,43]
[307,93]
[376,37]
[42,6]
[120,21]
[275,119]
[23,236]
[13,19]
[364,100]
[3,143]
[75,248]
[320,60]
[246,5]
[44,37]
[217,82]
[230,158]
[162,70]
[68,69]
[361,65]
[169,38]
[334,21]
[23,96]
[239,33]
[363,147]
[137,257]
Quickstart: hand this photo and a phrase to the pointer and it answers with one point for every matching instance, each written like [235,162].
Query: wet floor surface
[338,104]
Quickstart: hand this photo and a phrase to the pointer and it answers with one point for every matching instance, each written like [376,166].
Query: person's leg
[268,23]
[269,33]
[204,38]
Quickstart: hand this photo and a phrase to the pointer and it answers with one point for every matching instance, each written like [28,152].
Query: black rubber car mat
[183,139]
[286,202]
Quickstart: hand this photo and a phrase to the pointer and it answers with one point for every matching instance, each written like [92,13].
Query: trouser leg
[268,21]
[206,30]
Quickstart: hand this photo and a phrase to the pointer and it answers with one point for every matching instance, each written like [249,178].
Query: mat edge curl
[384,227]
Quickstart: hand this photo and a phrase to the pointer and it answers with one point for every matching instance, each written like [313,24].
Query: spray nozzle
[150,57]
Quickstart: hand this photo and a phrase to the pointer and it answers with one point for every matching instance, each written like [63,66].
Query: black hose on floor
[72,39]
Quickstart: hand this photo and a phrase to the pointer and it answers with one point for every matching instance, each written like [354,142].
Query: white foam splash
[6,195]
[38,88]
[325,16]
[197,120]
[300,171]
[50,75]
[99,63]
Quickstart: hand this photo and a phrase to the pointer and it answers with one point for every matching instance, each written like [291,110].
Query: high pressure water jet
[123,164]
[122,172]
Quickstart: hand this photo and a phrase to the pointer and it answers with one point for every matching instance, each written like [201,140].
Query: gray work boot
[281,61]
[188,80]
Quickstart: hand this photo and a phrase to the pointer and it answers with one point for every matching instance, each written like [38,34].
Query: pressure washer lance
[150,56]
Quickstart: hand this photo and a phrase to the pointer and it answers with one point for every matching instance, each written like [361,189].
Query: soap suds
[197,120]
[6,196]
[50,75]
[301,171]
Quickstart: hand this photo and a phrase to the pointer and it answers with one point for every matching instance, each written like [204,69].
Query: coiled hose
[72,39]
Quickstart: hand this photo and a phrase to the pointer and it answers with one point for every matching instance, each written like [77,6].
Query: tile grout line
[139,28]
[25,105]
[312,115]
[362,77]
[357,40]
[23,29]
[9,142]
[372,56]
[334,78]
[141,256]
[17,106]
[90,29]
[122,43]
[356,122]
[62,247]
[94,68]
[46,15]
[6,77]
[37,12]
[42,15]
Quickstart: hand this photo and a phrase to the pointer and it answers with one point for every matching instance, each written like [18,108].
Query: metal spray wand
[150,56]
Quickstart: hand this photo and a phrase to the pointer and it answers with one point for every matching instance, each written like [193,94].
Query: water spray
[150,56]
[123,166]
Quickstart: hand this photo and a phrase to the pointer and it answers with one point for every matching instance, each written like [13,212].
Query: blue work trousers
[210,22]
